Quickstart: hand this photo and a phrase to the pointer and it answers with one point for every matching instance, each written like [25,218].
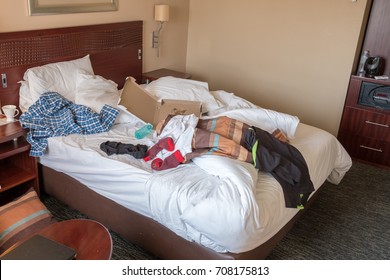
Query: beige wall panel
[292,56]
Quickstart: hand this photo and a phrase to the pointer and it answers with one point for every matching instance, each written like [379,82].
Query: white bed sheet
[123,179]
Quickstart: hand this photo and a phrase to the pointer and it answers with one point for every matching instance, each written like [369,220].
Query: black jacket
[284,162]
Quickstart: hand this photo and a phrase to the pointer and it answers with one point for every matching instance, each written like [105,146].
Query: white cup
[10,112]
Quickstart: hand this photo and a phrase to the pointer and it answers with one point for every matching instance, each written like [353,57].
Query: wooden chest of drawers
[365,129]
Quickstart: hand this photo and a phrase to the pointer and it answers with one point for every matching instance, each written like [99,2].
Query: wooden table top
[11,131]
[163,72]
[90,239]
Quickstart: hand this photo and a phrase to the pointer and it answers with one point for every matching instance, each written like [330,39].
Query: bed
[210,208]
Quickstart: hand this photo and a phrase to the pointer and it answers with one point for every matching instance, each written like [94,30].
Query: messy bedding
[221,202]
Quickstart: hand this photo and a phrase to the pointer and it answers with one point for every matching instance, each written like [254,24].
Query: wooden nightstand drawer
[366,123]
[366,148]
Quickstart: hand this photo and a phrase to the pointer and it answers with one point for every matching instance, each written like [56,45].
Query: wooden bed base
[116,52]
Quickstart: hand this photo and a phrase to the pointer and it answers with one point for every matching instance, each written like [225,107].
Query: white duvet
[221,203]
[227,204]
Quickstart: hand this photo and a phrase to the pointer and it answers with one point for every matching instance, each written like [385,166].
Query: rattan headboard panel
[115,51]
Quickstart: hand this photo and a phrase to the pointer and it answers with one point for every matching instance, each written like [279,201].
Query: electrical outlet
[4,80]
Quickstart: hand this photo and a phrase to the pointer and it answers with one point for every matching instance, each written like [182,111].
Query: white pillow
[125,116]
[183,89]
[25,98]
[59,77]
[95,91]
[229,101]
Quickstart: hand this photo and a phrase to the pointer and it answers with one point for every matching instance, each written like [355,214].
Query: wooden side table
[365,124]
[16,166]
[90,239]
[163,72]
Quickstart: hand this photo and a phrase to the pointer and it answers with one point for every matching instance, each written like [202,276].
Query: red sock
[156,163]
[170,162]
[165,143]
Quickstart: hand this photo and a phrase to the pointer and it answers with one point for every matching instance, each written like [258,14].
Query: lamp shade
[161,12]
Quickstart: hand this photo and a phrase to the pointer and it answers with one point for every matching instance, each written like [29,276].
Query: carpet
[350,221]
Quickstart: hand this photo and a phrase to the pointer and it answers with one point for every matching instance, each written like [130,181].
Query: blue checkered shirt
[53,115]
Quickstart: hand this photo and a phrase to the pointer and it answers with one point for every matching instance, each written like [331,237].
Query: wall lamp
[161,14]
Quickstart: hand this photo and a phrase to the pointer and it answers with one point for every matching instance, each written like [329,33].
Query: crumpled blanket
[53,115]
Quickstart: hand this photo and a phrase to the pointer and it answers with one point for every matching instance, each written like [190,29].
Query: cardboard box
[145,106]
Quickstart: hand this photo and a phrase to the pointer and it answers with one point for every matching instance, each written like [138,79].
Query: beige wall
[292,56]
[14,17]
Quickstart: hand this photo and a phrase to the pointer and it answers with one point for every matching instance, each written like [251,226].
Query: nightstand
[163,72]
[17,168]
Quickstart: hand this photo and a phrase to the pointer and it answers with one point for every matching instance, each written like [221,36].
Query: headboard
[115,50]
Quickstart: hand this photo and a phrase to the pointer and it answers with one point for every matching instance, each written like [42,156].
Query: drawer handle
[372,149]
[378,124]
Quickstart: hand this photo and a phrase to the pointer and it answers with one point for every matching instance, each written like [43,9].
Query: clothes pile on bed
[232,183]
[53,115]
